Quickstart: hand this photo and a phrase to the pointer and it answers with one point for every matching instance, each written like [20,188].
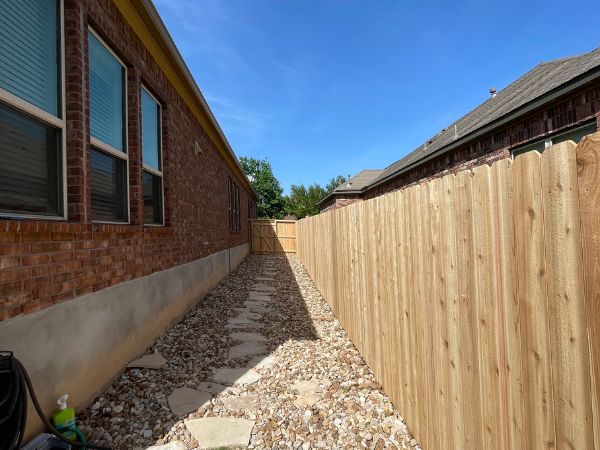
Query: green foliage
[303,201]
[335,182]
[271,201]
[272,204]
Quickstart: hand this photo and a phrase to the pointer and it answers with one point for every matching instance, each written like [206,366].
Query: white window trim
[44,116]
[109,149]
[153,171]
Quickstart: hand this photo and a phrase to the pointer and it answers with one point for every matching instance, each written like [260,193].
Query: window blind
[150,131]
[29,57]
[108,187]
[30,180]
[106,94]
[152,199]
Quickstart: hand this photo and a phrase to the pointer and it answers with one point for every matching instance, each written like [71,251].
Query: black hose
[14,384]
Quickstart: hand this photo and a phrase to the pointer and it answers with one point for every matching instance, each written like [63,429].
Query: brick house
[350,191]
[121,201]
[555,101]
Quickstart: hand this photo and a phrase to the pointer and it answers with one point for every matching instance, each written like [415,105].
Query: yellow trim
[140,21]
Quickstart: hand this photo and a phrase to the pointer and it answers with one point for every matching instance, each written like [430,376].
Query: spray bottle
[64,421]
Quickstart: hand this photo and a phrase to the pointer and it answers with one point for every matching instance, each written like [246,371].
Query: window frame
[548,141]
[60,123]
[151,170]
[98,145]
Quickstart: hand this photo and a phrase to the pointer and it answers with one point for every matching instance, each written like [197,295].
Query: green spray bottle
[64,419]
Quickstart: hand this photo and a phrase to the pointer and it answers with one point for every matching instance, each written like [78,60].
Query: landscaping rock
[338,405]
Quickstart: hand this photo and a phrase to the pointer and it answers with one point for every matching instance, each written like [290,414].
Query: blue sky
[322,88]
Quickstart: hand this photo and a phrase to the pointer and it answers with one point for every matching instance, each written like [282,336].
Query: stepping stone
[239,320]
[261,296]
[213,433]
[241,403]
[262,287]
[175,445]
[249,315]
[256,304]
[262,362]
[229,376]
[268,273]
[264,279]
[248,337]
[247,310]
[214,388]
[152,361]
[308,393]
[185,400]
[247,349]
[307,400]
[245,325]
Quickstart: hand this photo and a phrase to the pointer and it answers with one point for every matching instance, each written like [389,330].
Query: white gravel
[306,343]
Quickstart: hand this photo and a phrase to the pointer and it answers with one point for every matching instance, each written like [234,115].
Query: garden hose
[14,384]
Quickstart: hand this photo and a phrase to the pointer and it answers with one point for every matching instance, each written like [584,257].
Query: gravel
[306,343]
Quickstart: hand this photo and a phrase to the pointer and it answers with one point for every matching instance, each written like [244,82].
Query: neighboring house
[350,191]
[121,201]
[553,102]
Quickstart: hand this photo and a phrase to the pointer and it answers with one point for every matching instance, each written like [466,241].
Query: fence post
[588,178]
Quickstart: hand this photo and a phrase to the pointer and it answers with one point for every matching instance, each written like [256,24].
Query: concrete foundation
[79,346]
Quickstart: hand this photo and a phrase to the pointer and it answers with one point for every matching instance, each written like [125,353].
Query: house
[555,101]
[121,201]
[349,192]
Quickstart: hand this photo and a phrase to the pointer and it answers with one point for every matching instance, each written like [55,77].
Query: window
[107,126]
[32,122]
[234,206]
[152,158]
[575,135]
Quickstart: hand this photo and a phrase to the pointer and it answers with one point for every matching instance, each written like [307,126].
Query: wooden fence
[273,236]
[475,299]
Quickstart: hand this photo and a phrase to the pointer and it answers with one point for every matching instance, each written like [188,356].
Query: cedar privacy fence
[475,299]
[273,236]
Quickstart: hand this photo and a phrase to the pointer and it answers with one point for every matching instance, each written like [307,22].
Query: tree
[335,182]
[303,201]
[271,201]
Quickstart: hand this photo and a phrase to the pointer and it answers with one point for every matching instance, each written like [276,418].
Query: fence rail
[273,236]
[475,298]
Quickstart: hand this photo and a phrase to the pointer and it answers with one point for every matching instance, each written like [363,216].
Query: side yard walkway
[260,362]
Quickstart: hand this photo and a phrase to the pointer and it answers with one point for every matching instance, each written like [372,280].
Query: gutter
[148,7]
[581,80]
[334,193]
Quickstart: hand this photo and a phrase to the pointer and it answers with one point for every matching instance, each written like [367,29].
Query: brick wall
[46,262]
[339,201]
[576,108]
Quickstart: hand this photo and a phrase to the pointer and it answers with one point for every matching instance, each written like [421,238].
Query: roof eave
[148,7]
[334,193]
[559,91]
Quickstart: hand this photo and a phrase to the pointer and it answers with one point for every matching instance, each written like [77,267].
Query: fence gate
[273,236]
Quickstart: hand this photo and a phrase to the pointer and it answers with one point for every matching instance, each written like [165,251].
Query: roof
[537,83]
[145,21]
[359,181]
[356,184]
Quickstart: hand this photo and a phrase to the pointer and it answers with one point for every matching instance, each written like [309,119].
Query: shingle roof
[540,80]
[359,181]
